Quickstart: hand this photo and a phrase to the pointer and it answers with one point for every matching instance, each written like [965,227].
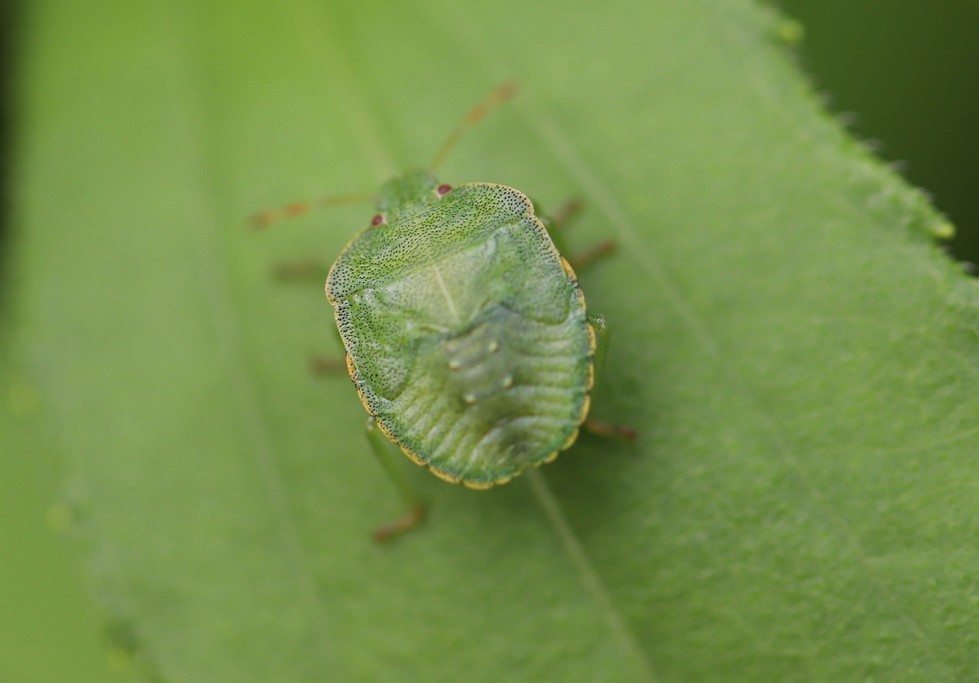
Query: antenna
[500,95]
[263,219]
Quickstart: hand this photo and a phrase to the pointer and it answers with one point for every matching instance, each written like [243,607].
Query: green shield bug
[465,330]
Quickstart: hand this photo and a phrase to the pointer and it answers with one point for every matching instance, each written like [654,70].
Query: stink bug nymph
[465,330]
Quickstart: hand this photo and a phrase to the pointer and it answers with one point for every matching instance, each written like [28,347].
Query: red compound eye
[444,190]
[378,219]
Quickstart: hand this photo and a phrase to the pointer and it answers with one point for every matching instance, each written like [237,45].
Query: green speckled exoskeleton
[465,330]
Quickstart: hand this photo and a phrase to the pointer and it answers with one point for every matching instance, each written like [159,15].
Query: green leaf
[799,358]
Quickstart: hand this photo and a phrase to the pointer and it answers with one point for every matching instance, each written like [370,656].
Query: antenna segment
[501,94]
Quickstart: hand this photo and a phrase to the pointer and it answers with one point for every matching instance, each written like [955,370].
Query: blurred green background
[903,74]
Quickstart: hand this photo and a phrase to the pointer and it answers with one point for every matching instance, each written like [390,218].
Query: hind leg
[602,338]
[392,462]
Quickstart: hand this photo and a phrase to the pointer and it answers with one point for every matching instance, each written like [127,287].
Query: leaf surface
[798,356]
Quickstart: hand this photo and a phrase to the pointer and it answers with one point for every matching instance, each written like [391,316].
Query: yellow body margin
[482,485]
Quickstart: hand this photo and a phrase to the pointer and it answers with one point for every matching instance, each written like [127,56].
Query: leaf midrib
[368,130]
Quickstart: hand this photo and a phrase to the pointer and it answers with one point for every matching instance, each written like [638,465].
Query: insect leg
[327,365]
[601,428]
[303,271]
[554,223]
[568,210]
[415,513]
[602,337]
[321,364]
[586,257]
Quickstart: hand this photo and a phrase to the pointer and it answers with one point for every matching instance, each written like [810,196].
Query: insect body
[465,330]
